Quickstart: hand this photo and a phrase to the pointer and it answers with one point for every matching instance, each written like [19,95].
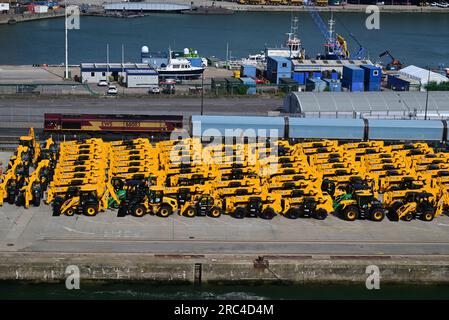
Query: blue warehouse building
[277,68]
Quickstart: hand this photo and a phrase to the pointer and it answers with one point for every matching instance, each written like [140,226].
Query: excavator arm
[408,208]
[344,45]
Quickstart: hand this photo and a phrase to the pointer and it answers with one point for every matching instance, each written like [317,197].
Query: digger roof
[416,194]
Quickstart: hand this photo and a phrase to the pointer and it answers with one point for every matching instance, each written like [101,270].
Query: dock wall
[223,269]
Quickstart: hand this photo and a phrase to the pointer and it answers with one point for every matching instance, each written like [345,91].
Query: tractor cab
[72,192]
[205,204]
[135,190]
[26,141]
[184,195]
[419,197]
[155,196]
[409,183]
[366,200]
[356,184]
[117,184]
[36,190]
[308,206]
[254,206]
[282,151]
[236,174]
[362,205]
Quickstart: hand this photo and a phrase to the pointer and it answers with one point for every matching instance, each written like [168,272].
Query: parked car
[168,89]
[112,90]
[154,90]
[102,83]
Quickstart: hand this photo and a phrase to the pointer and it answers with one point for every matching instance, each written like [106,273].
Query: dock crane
[395,64]
[336,47]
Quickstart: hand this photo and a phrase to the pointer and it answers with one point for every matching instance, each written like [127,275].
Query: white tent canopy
[422,75]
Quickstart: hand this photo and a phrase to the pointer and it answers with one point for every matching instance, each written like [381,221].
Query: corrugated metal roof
[134,6]
[116,65]
[367,104]
[327,63]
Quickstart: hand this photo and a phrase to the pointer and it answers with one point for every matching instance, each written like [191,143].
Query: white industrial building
[141,78]
[135,75]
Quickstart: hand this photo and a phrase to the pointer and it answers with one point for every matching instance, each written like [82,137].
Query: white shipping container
[40,9]
[4,6]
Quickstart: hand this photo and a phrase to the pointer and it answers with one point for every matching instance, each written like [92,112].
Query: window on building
[92,74]
[284,65]
[103,74]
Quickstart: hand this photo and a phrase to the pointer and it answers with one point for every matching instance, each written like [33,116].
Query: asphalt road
[32,109]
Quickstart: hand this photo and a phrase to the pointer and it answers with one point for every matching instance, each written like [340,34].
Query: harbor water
[111,290]
[420,39]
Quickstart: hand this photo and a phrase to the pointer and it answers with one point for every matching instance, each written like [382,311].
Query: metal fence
[181,89]
[36,89]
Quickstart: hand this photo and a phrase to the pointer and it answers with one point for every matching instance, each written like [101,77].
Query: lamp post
[107,62]
[202,92]
[427,94]
[66,75]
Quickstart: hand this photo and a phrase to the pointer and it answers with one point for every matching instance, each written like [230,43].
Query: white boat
[180,68]
[254,59]
[293,47]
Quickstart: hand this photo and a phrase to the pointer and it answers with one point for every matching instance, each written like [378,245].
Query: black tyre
[138,210]
[215,212]
[239,213]
[20,201]
[268,214]
[36,201]
[164,211]
[190,212]
[11,198]
[408,217]
[377,214]
[320,214]
[392,211]
[56,205]
[293,213]
[122,211]
[69,212]
[350,213]
[427,215]
[90,209]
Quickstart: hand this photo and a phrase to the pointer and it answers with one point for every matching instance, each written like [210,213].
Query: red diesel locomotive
[115,123]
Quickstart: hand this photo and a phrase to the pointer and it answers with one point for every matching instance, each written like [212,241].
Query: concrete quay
[38,247]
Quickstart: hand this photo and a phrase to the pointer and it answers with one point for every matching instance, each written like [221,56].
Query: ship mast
[331,39]
[293,42]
